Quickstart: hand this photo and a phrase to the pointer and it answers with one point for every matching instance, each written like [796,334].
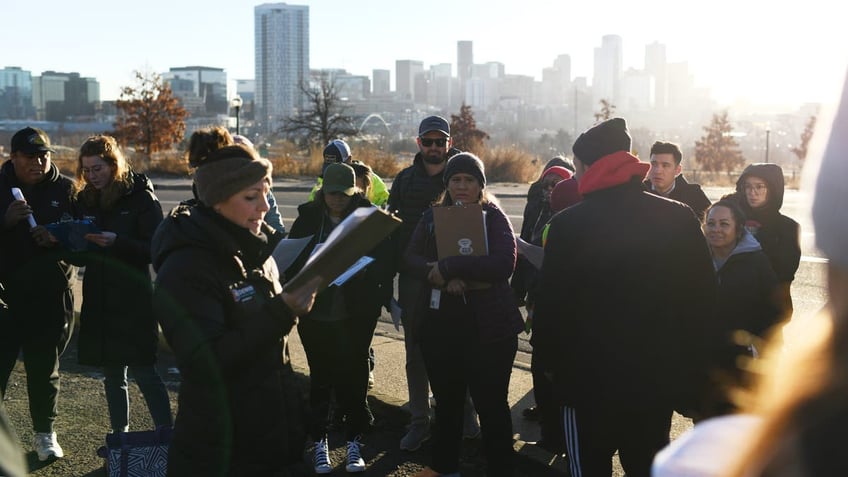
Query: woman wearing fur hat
[469,339]
[336,334]
[759,191]
[226,317]
[117,328]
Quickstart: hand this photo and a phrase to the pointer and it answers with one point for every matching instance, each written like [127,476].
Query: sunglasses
[427,142]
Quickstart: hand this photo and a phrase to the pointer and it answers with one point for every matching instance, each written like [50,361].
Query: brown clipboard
[461,230]
[354,237]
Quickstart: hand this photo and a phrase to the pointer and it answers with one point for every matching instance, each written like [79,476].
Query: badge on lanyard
[242,292]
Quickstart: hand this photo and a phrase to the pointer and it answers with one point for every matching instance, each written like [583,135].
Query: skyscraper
[608,60]
[464,60]
[282,61]
[405,73]
[655,64]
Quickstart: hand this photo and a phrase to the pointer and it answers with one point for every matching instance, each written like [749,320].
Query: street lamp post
[236,104]
[768,131]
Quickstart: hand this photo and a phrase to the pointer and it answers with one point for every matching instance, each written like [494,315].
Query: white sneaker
[321,457]
[46,446]
[355,463]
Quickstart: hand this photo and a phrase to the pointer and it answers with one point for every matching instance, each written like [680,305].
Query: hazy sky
[768,52]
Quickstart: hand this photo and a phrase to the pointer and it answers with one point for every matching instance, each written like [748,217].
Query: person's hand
[300,300]
[18,210]
[103,239]
[42,237]
[435,275]
[455,286]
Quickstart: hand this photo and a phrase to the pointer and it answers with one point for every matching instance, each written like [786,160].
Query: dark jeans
[151,386]
[456,367]
[594,434]
[38,325]
[337,353]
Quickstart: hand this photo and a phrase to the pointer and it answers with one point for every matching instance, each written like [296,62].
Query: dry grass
[383,163]
[509,164]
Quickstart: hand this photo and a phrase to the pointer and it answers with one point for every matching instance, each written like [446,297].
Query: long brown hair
[107,149]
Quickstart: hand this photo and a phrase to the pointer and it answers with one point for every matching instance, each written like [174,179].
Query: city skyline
[776,55]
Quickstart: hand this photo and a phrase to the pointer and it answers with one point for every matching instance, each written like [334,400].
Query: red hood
[612,170]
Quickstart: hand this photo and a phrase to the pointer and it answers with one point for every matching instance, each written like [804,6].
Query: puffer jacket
[116,321]
[217,296]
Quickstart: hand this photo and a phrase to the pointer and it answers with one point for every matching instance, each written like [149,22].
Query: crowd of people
[641,296]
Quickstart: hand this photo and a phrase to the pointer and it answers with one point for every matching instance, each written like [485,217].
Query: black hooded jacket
[22,260]
[778,234]
[116,323]
[217,296]
[690,194]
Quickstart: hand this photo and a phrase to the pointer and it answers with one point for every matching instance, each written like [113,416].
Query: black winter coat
[22,260]
[624,303]
[217,298]
[690,194]
[778,234]
[413,192]
[370,289]
[37,280]
[117,326]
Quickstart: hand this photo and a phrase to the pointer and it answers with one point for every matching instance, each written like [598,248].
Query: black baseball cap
[31,141]
[434,123]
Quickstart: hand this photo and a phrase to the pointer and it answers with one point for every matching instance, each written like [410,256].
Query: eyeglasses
[755,187]
[427,142]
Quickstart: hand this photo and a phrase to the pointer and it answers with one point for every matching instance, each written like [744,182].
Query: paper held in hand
[354,237]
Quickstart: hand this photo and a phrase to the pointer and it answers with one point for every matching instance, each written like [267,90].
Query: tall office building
[281,34]
[656,65]
[608,66]
[464,60]
[16,93]
[381,81]
[405,73]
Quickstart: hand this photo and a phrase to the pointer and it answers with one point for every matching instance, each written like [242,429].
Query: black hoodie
[778,234]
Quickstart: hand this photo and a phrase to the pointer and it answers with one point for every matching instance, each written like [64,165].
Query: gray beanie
[228,170]
[831,195]
[466,163]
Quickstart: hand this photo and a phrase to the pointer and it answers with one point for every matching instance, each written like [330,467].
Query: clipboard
[461,230]
[352,238]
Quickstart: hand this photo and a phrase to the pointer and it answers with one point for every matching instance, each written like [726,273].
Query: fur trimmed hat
[228,170]
[602,140]
[466,163]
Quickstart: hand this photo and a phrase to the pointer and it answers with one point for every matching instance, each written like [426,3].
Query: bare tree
[325,117]
[717,149]
[801,150]
[606,112]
